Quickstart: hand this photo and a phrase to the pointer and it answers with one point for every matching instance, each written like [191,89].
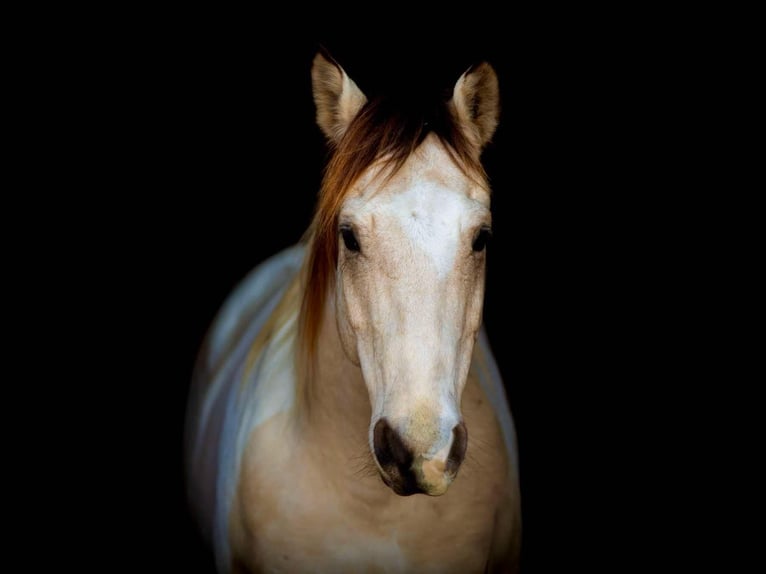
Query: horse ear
[337,97]
[475,103]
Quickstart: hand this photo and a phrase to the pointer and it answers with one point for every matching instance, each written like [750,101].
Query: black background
[217,166]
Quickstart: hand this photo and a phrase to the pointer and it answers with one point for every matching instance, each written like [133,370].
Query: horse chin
[435,489]
[408,486]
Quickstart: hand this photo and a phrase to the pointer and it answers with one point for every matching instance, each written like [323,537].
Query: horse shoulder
[491,431]
[242,378]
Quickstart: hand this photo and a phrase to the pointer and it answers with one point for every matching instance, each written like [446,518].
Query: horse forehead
[429,188]
[426,206]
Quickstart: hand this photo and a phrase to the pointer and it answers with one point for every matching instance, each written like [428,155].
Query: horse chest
[292,517]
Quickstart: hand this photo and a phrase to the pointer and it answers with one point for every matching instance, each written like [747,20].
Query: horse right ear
[475,103]
[337,97]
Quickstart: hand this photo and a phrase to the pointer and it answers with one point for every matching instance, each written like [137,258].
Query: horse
[334,394]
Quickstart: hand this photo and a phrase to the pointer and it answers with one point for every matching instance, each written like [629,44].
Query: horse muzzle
[410,470]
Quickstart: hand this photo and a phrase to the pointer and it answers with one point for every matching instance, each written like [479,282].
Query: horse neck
[336,410]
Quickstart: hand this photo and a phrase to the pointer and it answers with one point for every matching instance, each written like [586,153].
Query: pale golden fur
[327,465]
[319,504]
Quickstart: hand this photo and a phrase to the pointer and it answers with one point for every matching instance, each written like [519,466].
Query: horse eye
[481,239]
[349,239]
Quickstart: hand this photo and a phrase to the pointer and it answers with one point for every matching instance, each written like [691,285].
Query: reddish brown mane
[382,131]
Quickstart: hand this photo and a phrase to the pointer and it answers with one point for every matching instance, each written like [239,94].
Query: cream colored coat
[282,474]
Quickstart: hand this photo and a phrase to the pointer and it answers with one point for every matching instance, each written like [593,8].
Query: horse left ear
[337,97]
[475,103]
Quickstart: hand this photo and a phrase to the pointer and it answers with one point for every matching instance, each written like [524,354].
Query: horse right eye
[481,239]
[349,239]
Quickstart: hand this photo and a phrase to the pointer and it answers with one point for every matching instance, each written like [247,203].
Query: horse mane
[385,132]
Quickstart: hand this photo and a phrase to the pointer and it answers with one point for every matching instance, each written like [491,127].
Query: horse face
[410,271]
[409,299]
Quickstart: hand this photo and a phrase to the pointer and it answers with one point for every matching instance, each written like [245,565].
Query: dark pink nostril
[389,447]
[394,458]
[459,445]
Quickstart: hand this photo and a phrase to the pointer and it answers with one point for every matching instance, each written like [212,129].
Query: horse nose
[406,472]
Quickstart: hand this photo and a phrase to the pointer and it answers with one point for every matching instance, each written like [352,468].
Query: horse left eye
[349,239]
[481,239]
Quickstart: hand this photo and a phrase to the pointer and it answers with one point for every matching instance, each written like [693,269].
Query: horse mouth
[401,487]
[410,482]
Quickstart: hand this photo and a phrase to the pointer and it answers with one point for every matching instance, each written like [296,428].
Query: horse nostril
[394,458]
[389,448]
[459,445]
